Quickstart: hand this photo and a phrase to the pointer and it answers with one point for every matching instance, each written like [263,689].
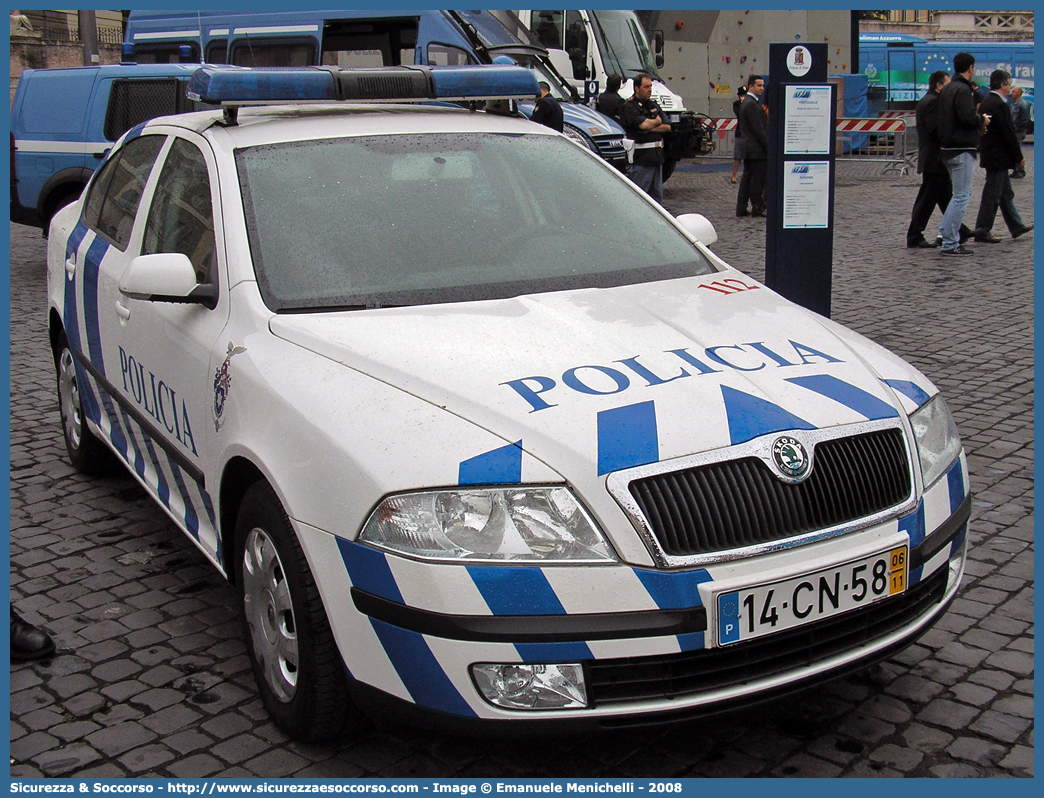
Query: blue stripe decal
[751,417]
[119,440]
[139,460]
[501,466]
[693,641]
[554,652]
[208,505]
[848,395]
[674,591]
[915,575]
[423,677]
[913,525]
[91,267]
[369,570]
[72,329]
[90,402]
[75,239]
[72,315]
[627,437]
[162,488]
[910,390]
[516,590]
[191,518]
[958,542]
[955,481]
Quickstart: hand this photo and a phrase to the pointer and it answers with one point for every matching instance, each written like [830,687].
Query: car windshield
[397,220]
[623,43]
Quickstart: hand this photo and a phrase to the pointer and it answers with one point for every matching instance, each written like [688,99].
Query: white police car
[478,430]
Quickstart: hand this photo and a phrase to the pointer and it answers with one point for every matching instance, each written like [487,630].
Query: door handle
[122,311]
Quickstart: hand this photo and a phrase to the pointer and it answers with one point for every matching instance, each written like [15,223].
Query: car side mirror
[699,227]
[166,277]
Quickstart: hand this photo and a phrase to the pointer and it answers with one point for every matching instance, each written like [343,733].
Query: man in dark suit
[753,129]
[936,188]
[999,152]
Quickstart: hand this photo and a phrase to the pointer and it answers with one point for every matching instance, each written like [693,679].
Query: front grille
[614,681]
[610,148]
[739,503]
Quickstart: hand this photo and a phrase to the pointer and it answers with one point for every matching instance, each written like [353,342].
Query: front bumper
[412,630]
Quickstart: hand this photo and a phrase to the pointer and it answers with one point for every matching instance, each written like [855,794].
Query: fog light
[531,686]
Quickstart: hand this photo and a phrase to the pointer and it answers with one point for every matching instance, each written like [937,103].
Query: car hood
[595,380]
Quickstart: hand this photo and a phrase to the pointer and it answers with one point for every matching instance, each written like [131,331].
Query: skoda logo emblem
[790,457]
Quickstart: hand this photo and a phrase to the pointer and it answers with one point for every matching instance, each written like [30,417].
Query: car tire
[87,453]
[295,659]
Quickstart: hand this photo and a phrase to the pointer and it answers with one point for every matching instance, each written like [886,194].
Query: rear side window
[447,55]
[165,52]
[132,102]
[116,191]
[261,53]
[217,51]
[369,43]
[181,219]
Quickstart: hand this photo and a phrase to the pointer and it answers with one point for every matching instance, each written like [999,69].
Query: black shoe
[742,213]
[986,238]
[958,250]
[28,642]
[922,244]
[757,213]
[1022,230]
[1017,175]
[964,234]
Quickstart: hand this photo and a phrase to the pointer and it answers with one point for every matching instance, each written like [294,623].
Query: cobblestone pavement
[151,676]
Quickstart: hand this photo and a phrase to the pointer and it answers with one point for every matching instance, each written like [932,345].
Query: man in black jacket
[999,152]
[936,188]
[610,102]
[753,129]
[959,126]
[547,112]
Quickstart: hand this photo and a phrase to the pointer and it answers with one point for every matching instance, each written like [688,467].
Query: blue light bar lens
[487,82]
[231,85]
[217,85]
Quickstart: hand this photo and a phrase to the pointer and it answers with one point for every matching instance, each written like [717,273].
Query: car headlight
[516,524]
[574,134]
[938,443]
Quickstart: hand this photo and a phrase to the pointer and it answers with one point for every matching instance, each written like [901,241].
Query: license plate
[765,609]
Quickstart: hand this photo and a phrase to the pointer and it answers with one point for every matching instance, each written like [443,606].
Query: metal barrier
[876,140]
[883,140]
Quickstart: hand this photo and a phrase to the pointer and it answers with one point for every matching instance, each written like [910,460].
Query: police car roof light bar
[229,85]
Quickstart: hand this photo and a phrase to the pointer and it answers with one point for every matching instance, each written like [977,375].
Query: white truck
[591,45]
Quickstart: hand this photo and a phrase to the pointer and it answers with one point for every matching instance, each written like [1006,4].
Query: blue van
[63,121]
[361,38]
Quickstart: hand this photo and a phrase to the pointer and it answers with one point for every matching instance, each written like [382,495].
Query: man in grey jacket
[1020,117]
[959,128]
